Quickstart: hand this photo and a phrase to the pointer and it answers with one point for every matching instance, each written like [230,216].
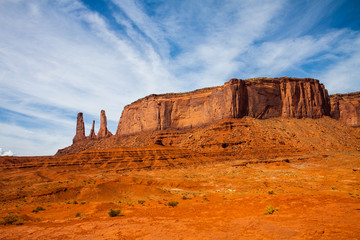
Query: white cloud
[273,58]
[23,141]
[7,153]
[343,75]
[70,67]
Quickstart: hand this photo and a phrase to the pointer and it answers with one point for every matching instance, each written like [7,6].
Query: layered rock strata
[258,98]
[118,159]
[346,108]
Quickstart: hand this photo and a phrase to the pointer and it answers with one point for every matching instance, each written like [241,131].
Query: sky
[61,57]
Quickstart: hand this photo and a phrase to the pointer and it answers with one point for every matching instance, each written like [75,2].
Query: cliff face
[346,108]
[258,98]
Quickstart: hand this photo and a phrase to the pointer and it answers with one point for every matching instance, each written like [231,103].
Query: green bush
[114,213]
[12,219]
[38,209]
[270,210]
[173,203]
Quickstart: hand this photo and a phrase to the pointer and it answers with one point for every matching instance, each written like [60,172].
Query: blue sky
[60,57]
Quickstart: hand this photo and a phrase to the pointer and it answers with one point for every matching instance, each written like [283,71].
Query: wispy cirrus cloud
[61,57]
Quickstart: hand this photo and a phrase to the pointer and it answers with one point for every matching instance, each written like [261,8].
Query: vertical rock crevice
[240,103]
[346,108]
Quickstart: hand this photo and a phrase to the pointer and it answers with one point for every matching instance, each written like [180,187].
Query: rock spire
[80,128]
[92,131]
[103,131]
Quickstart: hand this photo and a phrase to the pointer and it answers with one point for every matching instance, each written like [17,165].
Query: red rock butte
[259,98]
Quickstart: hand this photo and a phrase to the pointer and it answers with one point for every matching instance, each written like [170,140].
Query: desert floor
[314,196]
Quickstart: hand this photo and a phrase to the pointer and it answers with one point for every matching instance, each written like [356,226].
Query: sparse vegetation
[12,219]
[114,213]
[271,192]
[75,202]
[185,197]
[270,210]
[38,209]
[78,214]
[141,202]
[173,203]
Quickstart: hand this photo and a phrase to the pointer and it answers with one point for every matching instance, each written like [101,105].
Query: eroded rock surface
[259,98]
[346,108]
[80,128]
[92,131]
[103,131]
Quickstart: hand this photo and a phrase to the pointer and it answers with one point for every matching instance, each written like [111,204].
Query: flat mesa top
[231,81]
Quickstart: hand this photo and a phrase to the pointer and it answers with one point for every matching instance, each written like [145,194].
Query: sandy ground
[314,196]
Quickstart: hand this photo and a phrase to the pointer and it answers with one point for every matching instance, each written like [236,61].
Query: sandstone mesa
[259,98]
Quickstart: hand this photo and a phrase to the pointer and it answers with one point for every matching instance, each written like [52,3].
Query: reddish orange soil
[315,193]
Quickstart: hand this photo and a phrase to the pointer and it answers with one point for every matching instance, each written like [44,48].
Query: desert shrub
[114,213]
[38,209]
[185,197]
[83,202]
[141,202]
[270,210]
[12,219]
[271,192]
[78,214]
[173,203]
[75,202]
